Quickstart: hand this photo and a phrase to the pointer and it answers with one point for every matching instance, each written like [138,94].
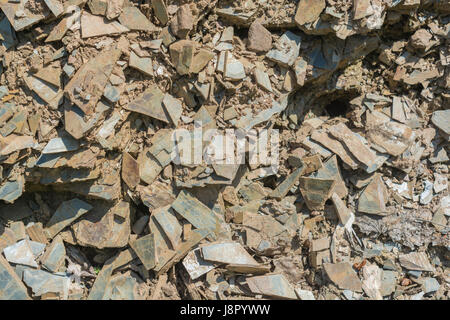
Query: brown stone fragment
[130,170]
[343,275]
[183,22]
[259,38]
[308,11]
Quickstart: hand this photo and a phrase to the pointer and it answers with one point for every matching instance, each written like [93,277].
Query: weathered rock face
[231,149]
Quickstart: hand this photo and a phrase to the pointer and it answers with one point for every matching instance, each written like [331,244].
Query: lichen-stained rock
[21,16]
[308,11]
[416,261]
[182,54]
[144,247]
[94,26]
[273,285]
[105,226]
[65,214]
[343,275]
[130,170]
[194,211]
[87,85]
[133,19]
[228,253]
[150,104]
[195,265]
[54,256]
[11,287]
[373,199]
[316,191]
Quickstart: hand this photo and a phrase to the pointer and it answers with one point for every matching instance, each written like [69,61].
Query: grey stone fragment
[65,214]
[61,144]
[289,49]
[20,253]
[11,288]
[430,285]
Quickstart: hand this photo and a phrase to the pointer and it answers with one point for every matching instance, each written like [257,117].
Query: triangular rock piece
[316,191]
[373,199]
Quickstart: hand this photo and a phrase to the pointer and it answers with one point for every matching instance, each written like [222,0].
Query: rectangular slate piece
[198,214]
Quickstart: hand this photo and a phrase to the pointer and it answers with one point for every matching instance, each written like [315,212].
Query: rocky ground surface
[92,206]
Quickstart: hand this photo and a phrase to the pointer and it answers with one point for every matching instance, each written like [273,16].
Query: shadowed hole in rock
[337,108]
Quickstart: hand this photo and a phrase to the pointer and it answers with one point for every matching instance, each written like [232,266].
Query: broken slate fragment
[316,191]
[263,80]
[54,256]
[195,265]
[358,149]
[11,286]
[416,261]
[65,214]
[20,253]
[308,11]
[144,247]
[130,170]
[181,53]
[173,107]
[194,211]
[289,49]
[160,10]
[373,199]
[133,19]
[87,85]
[273,285]
[42,282]
[150,104]
[228,253]
[259,38]
[343,275]
[170,224]
[182,22]
[61,144]
[441,119]
[94,26]
[144,64]
[283,188]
